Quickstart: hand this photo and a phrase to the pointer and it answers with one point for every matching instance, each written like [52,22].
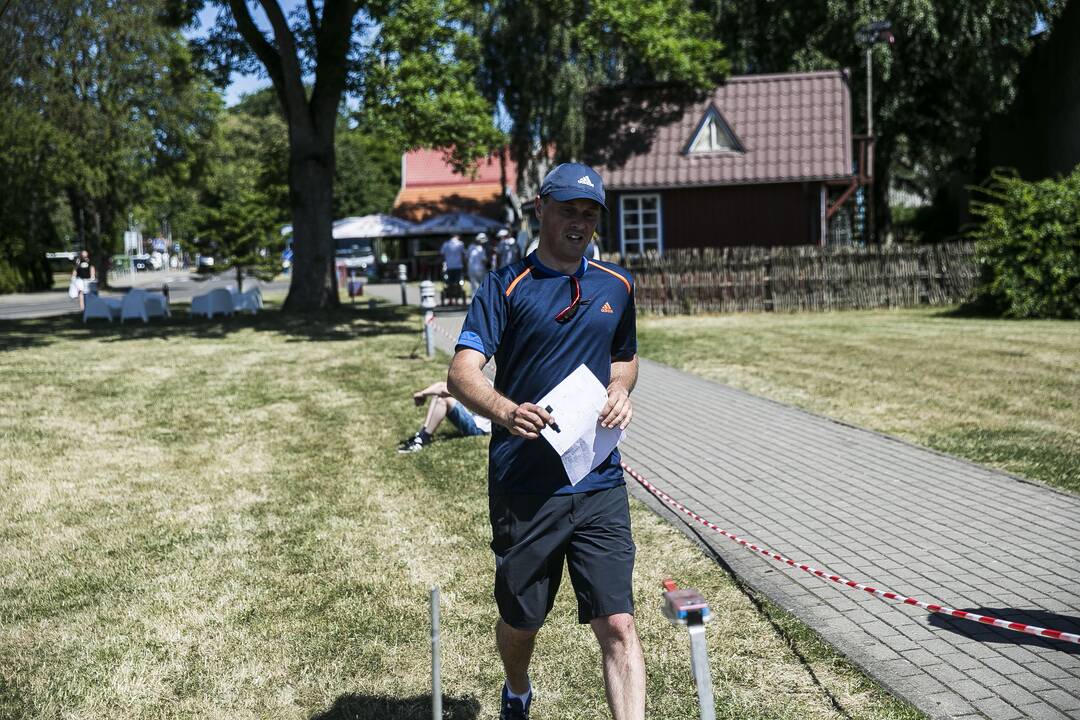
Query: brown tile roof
[793,127]
[419,203]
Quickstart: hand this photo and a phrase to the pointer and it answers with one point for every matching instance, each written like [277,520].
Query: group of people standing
[480,257]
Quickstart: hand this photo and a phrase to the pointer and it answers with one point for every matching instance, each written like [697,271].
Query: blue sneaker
[512,709]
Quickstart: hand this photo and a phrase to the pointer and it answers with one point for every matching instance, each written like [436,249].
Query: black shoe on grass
[413,444]
[514,709]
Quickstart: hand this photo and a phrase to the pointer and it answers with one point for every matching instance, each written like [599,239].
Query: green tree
[1028,246]
[403,58]
[367,173]
[29,168]
[28,191]
[546,63]
[114,100]
[952,66]
[367,164]
[242,203]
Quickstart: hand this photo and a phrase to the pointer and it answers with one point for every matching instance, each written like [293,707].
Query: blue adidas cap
[571,181]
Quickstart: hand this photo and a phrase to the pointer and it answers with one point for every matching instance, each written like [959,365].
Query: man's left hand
[618,410]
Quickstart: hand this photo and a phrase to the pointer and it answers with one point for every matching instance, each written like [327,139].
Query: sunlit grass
[209,519]
[1004,393]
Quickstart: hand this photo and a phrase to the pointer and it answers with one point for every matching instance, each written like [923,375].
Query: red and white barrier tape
[440,329]
[963,615]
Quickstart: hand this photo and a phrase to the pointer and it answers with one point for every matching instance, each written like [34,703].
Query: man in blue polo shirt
[541,318]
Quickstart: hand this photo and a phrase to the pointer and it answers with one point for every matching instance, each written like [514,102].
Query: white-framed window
[640,224]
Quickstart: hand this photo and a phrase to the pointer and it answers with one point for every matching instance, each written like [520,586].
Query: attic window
[713,135]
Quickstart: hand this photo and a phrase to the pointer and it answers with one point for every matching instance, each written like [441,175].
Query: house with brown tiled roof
[763,160]
[429,187]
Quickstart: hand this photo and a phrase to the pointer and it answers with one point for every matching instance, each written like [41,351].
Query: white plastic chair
[250,301]
[157,305]
[218,301]
[96,306]
[134,306]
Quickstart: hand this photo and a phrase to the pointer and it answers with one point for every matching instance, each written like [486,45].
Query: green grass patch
[1004,393]
[209,519]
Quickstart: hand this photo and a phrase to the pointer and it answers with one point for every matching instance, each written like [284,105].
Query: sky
[240,84]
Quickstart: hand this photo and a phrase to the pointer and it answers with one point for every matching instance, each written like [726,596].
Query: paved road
[880,511]
[182,287]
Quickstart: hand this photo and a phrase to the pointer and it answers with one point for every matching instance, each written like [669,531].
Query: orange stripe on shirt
[601,267]
[518,279]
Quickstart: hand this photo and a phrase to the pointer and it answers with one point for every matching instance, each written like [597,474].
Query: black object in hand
[553,425]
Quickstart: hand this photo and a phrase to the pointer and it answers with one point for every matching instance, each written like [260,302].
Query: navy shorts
[531,536]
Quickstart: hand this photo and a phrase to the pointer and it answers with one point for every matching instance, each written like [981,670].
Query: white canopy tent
[372,226]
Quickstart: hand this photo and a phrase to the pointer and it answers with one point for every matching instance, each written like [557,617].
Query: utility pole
[878,31]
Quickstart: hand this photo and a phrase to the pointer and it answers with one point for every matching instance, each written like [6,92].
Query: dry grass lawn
[209,519]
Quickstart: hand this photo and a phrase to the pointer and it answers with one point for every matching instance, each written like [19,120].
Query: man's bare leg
[515,649]
[437,409]
[624,666]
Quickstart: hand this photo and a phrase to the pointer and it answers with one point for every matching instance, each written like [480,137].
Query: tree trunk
[239,279]
[311,191]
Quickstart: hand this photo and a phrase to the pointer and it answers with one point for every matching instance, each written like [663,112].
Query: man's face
[566,227]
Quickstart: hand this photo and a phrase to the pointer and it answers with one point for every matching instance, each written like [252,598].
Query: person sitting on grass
[443,405]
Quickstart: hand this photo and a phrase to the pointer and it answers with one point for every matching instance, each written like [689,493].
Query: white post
[869,92]
[436,661]
[687,607]
[699,663]
[403,276]
[427,301]
[429,333]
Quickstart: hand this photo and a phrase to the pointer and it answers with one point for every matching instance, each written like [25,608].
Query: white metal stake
[699,663]
[687,607]
[429,333]
[436,662]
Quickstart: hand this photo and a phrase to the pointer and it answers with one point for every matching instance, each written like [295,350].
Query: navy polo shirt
[513,318]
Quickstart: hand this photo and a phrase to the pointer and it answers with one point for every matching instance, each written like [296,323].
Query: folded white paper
[575,405]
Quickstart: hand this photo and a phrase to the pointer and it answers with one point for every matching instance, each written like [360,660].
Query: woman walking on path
[82,275]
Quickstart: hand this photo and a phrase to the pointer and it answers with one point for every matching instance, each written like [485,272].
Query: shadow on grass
[991,634]
[368,707]
[345,323]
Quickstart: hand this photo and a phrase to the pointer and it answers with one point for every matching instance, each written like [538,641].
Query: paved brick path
[881,511]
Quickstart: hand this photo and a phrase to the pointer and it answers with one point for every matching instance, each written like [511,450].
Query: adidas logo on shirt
[584,180]
[606,308]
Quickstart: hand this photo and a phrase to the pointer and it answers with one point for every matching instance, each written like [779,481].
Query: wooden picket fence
[782,279]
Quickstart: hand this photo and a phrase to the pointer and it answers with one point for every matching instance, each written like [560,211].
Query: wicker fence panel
[750,279]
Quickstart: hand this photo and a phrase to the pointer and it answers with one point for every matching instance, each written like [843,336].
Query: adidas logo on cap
[573,181]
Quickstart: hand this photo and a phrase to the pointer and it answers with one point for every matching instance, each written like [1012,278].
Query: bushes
[1028,246]
[25,276]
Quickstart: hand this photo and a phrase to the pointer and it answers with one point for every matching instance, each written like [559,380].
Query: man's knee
[614,629]
[514,634]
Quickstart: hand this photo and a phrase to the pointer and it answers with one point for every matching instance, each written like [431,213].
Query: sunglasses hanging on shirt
[567,313]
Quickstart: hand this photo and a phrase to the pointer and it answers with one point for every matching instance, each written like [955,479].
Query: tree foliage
[30,170]
[1028,246]
[107,99]
[243,199]
[367,173]
[952,66]
[544,62]
[406,61]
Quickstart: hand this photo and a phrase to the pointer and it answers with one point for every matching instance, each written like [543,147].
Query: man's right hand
[527,420]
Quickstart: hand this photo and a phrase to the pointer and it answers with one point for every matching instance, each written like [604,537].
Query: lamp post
[878,31]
